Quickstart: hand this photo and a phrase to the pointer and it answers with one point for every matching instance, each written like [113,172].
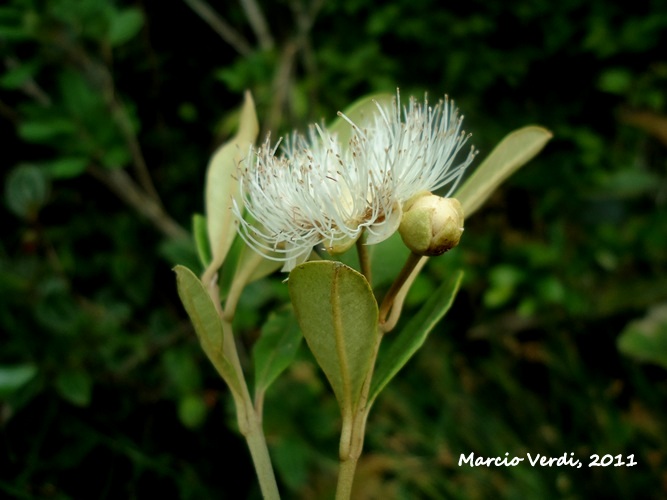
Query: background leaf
[646,339]
[124,25]
[76,386]
[13,377]
[26,190]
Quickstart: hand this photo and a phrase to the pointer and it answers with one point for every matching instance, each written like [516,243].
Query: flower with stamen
[413,150]
[307,196]
[321,192]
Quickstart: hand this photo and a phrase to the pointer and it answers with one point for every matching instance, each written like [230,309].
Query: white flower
[413,149]
[319,192]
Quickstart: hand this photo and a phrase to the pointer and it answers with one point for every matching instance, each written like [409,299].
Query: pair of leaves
[338,315]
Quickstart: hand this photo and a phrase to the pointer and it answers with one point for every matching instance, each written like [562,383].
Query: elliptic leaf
[222,184]
[338,316]
[207,323]
[514,151]
[66,168]
[276,348]
[413,335]
[76,386]
[12,378]
[124,25]
[26,190]
[645,339]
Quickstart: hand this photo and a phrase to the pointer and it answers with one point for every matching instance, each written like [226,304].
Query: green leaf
[192,410]
[182,370]
[338,316]
[46,129]
[276,348]
[222,184]
[14,77]
[413,335]
[26,190]
[66,168]
[124,25]
[207,324]
[201,239]
[514,151]
[12,378]
[645,339]
[359,112]
[76,386]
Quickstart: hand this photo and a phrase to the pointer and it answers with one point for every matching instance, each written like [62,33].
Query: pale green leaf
[338,316]
[222,184]
[276,348]
[207,323]
[13,377]
[359,112]
[514,151]
[405,344]
[645,339]
[253,266]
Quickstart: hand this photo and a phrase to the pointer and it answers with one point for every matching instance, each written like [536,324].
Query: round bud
[431,225]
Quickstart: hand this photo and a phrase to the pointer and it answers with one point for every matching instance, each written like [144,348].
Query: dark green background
[116,398]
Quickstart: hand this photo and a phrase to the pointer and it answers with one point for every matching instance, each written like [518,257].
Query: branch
[220,26]
[29,86]
[127,190]
[280,86]
[258,23]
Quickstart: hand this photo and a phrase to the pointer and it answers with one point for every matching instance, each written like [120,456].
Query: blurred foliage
[111,110]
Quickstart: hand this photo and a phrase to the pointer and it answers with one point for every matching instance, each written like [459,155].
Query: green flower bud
[431,225]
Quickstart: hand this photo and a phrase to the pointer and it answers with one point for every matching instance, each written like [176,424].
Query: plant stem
[356,434]
[221,27]
[364,259]
[346,478]
[260,455]
[250,423]
[401,279]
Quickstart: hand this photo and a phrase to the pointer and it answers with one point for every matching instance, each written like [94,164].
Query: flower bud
[431,225]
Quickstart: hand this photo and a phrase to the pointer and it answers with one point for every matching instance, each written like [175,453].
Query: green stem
[346,478]
[260,455]
[388,301]
[364,258]
[239,281]
[250,423]
[353,439]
